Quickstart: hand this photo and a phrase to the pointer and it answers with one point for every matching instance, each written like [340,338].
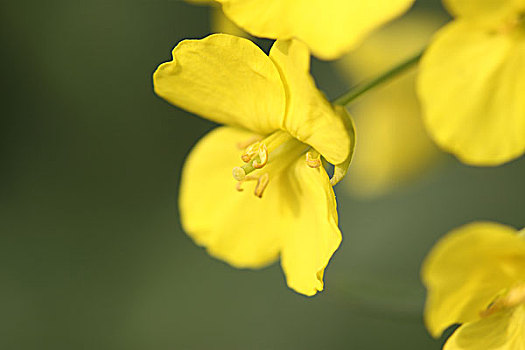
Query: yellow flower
[394,147]
[476,276]
[472,82]
[219,22]
[328,27]
[283,123]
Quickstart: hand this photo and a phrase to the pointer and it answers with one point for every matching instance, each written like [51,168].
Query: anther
[250,152]
[512,23]
[514,297]
[238,186]
[262,183]
[313,159]
[262,157]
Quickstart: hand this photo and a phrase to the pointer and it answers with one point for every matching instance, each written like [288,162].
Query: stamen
[262,157]
[238,186]
[250,152]
[512,23]
[259,154]
[514,297]
[313,159]
[262,148]
[262,183]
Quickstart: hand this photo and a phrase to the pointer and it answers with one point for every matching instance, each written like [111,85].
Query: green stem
[360,89]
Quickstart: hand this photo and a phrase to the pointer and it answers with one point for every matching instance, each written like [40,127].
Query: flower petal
[313,235]
[225,79]
[467,269]
[504,331]
[222,24]
[296,215]
[219,22]
[341,169]
[236,227]
[329,27]
[309,116]
[472,85]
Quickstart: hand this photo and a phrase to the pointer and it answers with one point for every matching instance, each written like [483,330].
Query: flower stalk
[362,88]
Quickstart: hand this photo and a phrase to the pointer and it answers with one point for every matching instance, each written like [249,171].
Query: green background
[92,253]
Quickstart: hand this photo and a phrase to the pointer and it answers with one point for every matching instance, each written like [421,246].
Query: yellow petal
[466,271]
[504,331]
[341,169]
[394,147]
[484,10]
[329,27]
[473,99]
[296,215]
[313,235]
[222,24]
[219,22]
[309,116]
[236,227]
[225,79]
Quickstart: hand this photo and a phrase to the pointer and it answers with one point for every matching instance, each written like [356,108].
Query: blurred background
[92,253]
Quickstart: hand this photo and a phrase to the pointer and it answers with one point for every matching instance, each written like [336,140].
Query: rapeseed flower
[328,27]
[394,148]
[472,82]
[218,21]
[475,276]
[279,125]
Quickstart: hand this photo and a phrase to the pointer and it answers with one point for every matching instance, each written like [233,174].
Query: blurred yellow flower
[219,22]
[329,27]
[284,124]
[393,147]
[472,82]
[222,24]
[476,276]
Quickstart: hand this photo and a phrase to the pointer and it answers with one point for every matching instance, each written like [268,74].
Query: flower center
[273,153]
[514,297]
